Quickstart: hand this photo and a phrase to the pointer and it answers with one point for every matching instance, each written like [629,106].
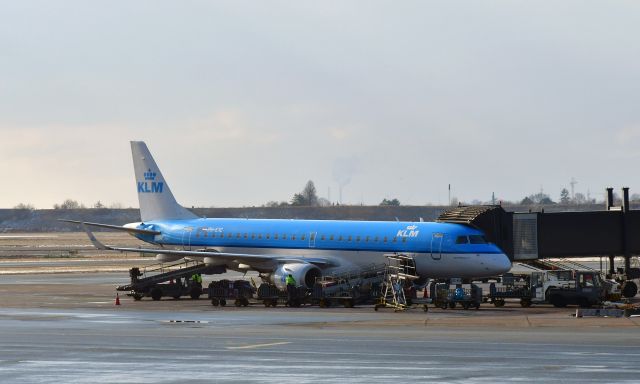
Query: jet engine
[304,273]
[164,258]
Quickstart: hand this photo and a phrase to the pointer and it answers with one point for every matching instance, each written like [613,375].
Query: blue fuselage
[438,247]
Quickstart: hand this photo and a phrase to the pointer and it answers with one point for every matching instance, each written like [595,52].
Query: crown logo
[412,227]
[149,175]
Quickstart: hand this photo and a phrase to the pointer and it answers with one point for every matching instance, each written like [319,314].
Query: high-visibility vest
[290,280]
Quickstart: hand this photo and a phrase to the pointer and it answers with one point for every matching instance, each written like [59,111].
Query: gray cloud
[243,101]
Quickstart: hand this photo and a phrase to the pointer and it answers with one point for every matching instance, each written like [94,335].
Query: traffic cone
[117,299]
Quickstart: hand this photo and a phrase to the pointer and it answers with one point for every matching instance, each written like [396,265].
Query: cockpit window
[462,240]
[477,239]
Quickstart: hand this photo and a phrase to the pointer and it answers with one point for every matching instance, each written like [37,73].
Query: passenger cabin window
[293,237]
[275,236]
[357,238]
[268,236]
[253,236]
[385,239]
[322,237]
[461,240]
[367,239]
[238,235]
[340,238]
[284,236]
[246,236]
[477,239]
[331,238]
[376,239]
[302,237]
[349,238]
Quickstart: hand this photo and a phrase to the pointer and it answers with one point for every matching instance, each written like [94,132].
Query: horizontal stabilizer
[116,227]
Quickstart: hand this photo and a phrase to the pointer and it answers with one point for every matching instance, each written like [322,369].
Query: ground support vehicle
[498,294]
[240,291]
[167,280]
[270,295]
[510,286]
[566,287]
[349,289]
[445,297]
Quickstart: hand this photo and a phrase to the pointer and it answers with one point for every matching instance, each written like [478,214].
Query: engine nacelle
[304,273]
[164,258]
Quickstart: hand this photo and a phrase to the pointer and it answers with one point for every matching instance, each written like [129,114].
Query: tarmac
[65,328]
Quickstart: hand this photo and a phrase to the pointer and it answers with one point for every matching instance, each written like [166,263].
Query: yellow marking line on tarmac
[260,345]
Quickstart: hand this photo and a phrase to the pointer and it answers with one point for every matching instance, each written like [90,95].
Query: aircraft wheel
[425,308]
[237,302]
[452,304]
[137,296]
[274,303]
[324,303]
[525,303]
[215,302]
[244,301]
[465,305]
[223,302]
[267,303]
[444,305]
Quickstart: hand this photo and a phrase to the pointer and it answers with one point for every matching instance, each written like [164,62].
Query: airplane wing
[244,258]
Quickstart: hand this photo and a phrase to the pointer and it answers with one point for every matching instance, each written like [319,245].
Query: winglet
[93,239]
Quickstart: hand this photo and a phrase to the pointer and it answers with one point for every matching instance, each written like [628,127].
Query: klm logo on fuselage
[149,185]
[410,231]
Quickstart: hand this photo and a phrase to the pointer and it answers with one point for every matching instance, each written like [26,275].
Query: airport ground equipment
[565,287]
[167,280]
[350,288]
[271,296]
[446,297]
[400,272]
[222,291]
[511,287]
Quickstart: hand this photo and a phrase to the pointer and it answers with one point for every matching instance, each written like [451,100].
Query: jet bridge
[543,235]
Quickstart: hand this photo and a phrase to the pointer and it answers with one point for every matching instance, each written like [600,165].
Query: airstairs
[400,271]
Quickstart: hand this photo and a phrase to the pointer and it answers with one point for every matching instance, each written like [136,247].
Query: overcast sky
[242,102]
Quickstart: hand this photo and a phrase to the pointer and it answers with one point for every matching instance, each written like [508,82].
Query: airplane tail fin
[155,197]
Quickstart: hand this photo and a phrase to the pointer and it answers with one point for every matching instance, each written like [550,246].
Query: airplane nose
[502,263]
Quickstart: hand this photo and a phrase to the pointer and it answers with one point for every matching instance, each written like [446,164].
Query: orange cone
[117,299]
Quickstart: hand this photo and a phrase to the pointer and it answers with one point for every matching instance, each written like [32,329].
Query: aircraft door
[312,239]
[436,245]
[186,238]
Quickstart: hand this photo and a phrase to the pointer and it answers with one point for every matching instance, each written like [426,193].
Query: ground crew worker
[291,289]
[197,279]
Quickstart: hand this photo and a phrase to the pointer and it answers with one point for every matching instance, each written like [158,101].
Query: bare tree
[69,204]
[26,207]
